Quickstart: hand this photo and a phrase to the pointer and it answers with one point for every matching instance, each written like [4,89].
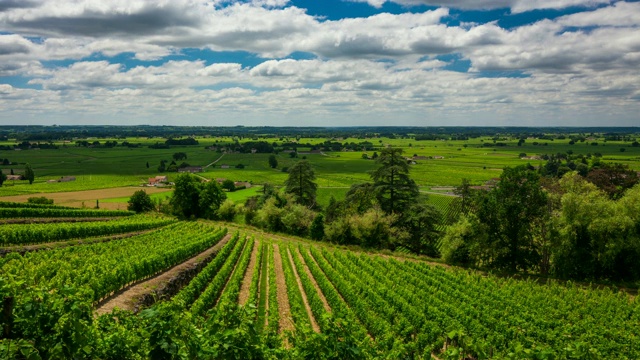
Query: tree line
[569,227]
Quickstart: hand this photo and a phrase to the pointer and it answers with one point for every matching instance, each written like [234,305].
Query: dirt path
[248,276]
[286,321]
[89,197]
[313,281]
[305,301]
[127,298]
[215,161]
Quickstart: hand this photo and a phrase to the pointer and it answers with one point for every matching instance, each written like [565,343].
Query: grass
[155,197]
[240,196]
[97,168]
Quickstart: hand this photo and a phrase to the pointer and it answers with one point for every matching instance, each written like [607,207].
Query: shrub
[140,201]
[40,200]
[227,210]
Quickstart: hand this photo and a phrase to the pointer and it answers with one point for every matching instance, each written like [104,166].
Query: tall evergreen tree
[28,173]
[301,183]
[3,177]
[395,190]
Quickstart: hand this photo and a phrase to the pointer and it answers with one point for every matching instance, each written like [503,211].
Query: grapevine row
[23,234]
[209,296]
[54,212]
[191,292]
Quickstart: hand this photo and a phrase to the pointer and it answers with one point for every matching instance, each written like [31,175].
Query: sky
[320,62]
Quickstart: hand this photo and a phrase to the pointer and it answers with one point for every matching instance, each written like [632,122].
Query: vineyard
[264,296]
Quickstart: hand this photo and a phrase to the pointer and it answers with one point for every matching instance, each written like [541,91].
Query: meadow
[447,163]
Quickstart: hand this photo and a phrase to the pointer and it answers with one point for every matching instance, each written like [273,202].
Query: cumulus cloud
[545,46]
[620,14]
[368,69]
[516,6]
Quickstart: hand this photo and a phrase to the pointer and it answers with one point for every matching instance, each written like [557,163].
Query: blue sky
[320,63]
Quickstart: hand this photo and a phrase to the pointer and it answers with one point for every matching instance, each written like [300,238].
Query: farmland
[84,282]
[291,286]
[101,168]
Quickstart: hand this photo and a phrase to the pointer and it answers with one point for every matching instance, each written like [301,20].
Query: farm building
[14,177]
[191,169]
[225,166]
[63,179]
[67,179]
[160,179]
[242,183]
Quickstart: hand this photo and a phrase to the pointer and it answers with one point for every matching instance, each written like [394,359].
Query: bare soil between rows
[284,309]
[165,284]
[305,300]
[327,307]
[245,288]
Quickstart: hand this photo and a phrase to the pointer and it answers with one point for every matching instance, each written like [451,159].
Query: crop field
[399,307]
[450,161]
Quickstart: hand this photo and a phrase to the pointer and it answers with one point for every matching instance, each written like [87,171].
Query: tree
[301,183]
[147,164]
[360,198]
[395,190]
[421,224]
[211,198]
[163,166]
[227,210]
[28,173]
[179,156]
[510,214]
[140,201]
[273,162]
[229,185]
[317,228]
[186,196]
[614,179]
[3,177]
[464,194]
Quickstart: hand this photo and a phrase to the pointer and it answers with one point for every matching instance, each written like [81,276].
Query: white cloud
[544,46]
[369,69]
[516,6]
[620,14]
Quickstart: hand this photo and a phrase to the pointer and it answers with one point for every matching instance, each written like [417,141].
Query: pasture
[438,162]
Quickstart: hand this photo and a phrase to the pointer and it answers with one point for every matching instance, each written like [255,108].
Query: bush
[229,185]
[40,200]
[455,246]
[140,201]
[227,210]
[297,219]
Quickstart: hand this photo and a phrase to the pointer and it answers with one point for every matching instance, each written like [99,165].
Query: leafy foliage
[140,201]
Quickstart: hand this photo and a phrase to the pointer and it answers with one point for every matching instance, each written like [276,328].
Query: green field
[104,168]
